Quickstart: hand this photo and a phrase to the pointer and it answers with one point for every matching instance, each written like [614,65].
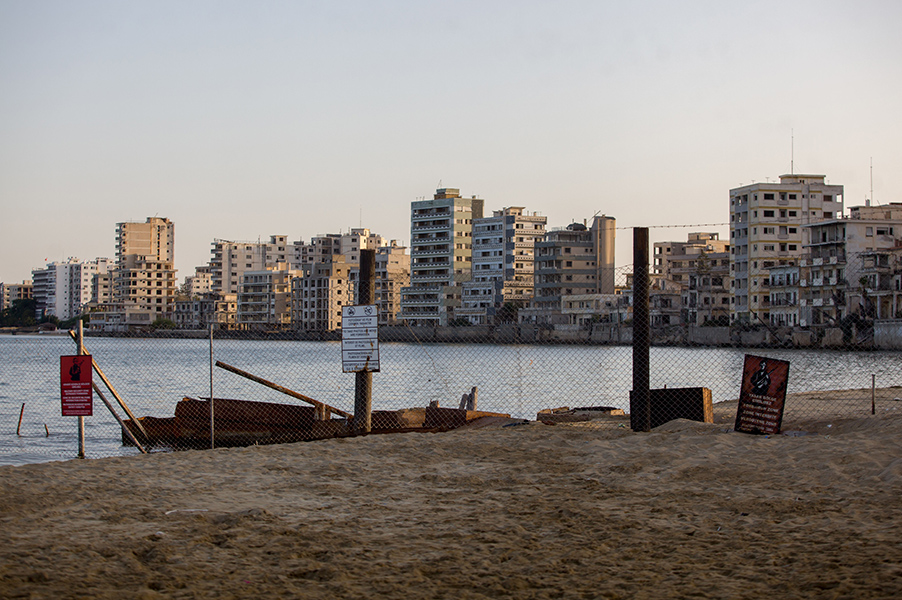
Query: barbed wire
[674,226]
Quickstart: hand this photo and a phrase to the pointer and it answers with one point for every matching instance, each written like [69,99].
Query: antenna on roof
[872,180]
[792,152]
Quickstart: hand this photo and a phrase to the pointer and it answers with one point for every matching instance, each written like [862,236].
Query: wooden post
[640,400]
[110,387]
[81,420]
[363,384]
[21,412]
[127,431]
[873,394]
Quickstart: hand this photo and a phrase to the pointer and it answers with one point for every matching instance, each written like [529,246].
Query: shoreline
[510,512]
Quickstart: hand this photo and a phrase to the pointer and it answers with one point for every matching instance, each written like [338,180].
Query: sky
[241,120]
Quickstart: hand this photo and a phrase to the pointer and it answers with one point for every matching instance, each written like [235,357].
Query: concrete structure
[392,275]
[199,284]
[198,312]
[877,293]
[441,255]
[64,289]
[784,295]
[318,296]
[502,263]
[323,247]
[766,231]
[144,276]
[264,298]
[837,254]
[577,260]
[702,265]
[232,259]
[586,309]
[10,292]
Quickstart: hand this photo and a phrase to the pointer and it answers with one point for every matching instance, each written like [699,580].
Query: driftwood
[319,405]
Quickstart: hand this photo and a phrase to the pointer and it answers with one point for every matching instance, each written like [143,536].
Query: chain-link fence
[431,379]
[820,352]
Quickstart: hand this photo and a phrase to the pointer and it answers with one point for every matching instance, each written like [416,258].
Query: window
[869,231]
[768,213]
[793,213]
[768,197]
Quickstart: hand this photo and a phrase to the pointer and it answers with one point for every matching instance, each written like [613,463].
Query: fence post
[640,399]
[81,420]
[212,427]
[363,388]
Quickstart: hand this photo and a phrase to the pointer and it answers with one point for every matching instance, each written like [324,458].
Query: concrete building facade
[502,263]
[10,292]
[144,276]
[767,230]
[231,259]
[441,256]
[576,260]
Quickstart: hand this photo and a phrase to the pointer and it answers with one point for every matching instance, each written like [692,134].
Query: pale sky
[240,120]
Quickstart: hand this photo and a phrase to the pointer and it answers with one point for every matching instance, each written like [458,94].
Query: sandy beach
[525,511]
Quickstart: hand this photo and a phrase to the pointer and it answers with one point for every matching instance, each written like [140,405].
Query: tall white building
[440,256]
[63,289]
[502,263]
[766,231]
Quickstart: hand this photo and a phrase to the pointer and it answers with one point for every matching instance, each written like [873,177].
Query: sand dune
[528,511]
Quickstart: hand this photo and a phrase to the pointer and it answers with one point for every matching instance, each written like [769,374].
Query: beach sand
[526,511]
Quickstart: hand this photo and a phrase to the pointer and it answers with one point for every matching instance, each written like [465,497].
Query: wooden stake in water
[81,420]
[21,412]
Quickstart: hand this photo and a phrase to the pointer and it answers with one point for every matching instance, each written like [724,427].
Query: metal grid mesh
[571,369]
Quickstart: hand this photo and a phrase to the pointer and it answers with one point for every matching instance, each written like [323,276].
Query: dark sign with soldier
[762,396]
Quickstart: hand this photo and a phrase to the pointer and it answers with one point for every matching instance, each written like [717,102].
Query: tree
[509,312]
[20,314]
[162,323]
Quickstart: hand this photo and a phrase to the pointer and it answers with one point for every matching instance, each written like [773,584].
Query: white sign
[360,338]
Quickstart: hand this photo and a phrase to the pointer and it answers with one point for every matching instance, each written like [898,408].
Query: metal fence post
[640,399]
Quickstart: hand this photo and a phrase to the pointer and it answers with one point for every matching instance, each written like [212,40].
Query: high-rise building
[701,265]
[502,263]
[440,254]
[264,298]
[840,270]
[144,277]
[576,260]
[231,259]
[767,230]
[64,289]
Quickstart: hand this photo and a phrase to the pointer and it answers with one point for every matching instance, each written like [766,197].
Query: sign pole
[363,388]
[640,400]
[81,420]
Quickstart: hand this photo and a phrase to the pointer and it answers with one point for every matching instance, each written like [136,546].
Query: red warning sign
[75,386]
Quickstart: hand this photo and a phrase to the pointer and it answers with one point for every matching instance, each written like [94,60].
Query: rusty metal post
[640,399]
[363,385]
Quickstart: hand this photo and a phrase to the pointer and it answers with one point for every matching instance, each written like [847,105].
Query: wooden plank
[283,390]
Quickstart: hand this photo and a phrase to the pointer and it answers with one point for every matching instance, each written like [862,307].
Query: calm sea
[153,374]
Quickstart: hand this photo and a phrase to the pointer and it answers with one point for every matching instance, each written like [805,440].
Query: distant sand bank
[527,511]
